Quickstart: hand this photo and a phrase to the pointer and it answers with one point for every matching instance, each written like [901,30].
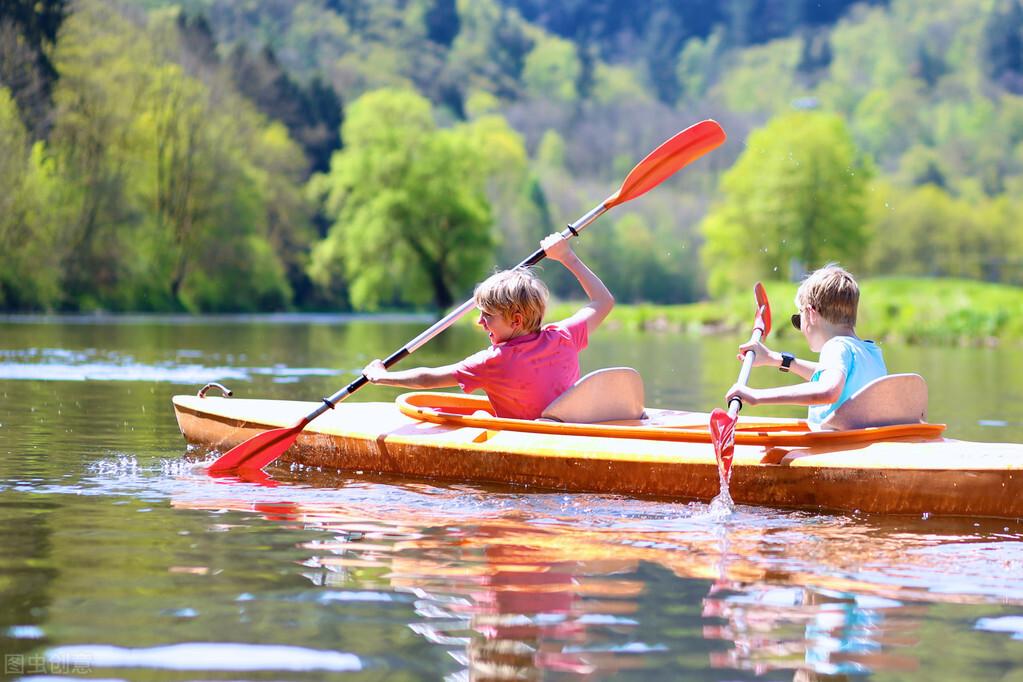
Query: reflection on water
[814,631]
[122,561]
[606,586]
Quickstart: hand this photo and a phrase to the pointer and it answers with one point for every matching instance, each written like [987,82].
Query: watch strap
[786,362]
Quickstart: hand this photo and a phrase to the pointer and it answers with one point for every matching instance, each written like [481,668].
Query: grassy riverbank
[911,310]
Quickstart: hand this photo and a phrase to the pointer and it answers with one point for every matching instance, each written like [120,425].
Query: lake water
[121,560]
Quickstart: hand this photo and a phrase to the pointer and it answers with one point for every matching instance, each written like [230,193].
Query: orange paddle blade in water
[258,451]
[722,429]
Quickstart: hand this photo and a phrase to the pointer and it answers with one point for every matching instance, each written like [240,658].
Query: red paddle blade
[722,431]
[681,150]
[256,452]
[763,321]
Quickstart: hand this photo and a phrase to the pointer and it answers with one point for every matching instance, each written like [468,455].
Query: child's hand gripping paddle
[660,164]
[722,424]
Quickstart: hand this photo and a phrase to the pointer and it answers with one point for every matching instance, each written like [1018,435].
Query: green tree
[775,63]
[171,177]
[550,153]
[1002,259]
[411,217]
[886,121]
[928,232]
[515,196]
[103,65]
[793,200]
[611,85]
[634,263]
[490,49]
[29,269]
[552,70]
[28,31]
[864,57]
[698,66]
[312,113]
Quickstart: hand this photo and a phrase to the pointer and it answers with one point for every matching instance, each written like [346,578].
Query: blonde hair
[832,292]
[514,291]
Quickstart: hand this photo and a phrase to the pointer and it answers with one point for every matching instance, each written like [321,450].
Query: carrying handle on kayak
[227,393]
[660,164]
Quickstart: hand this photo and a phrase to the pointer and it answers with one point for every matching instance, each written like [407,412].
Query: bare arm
[827,389]
[765,357]
[417,377]
[601,300]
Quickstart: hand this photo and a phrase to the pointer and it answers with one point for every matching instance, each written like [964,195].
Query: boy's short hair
[832,292]
[514,291]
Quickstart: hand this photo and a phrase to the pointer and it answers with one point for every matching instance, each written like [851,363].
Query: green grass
[909,310]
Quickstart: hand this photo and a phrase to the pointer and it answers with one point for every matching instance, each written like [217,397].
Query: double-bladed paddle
[722,424]
[675,153]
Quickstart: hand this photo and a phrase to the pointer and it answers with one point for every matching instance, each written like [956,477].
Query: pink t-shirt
[524,375]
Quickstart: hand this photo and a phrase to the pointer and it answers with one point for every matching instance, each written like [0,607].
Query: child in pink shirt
[527,365]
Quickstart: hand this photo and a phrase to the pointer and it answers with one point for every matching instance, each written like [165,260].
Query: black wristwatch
[786,362]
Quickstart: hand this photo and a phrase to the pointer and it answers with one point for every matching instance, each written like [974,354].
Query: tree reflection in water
[513,595]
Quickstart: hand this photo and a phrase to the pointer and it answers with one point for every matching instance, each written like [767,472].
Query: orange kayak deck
[777,461]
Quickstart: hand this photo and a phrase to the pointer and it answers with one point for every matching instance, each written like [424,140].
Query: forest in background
[231,155]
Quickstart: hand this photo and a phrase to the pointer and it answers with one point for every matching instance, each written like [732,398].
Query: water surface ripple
[122,560]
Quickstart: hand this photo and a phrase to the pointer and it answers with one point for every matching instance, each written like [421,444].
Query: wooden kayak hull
[908,475]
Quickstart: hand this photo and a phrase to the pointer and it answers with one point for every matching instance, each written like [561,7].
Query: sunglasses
[796,321]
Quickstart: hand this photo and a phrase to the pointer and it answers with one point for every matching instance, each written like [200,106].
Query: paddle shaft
[412,346]
[734,405]
[722,424]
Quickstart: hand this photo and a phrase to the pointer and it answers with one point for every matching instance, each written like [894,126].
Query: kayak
[902,469]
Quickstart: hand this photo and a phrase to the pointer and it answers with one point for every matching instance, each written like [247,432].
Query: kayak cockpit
[459,410]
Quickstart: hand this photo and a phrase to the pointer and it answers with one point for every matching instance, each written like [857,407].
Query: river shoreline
[915,311]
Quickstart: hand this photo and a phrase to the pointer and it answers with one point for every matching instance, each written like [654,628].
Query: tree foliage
[929,233]
[794,200]
[312,113]
[412,220]
[552,70]
[164,147]
[166,180]
[28,30]
[29,235]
